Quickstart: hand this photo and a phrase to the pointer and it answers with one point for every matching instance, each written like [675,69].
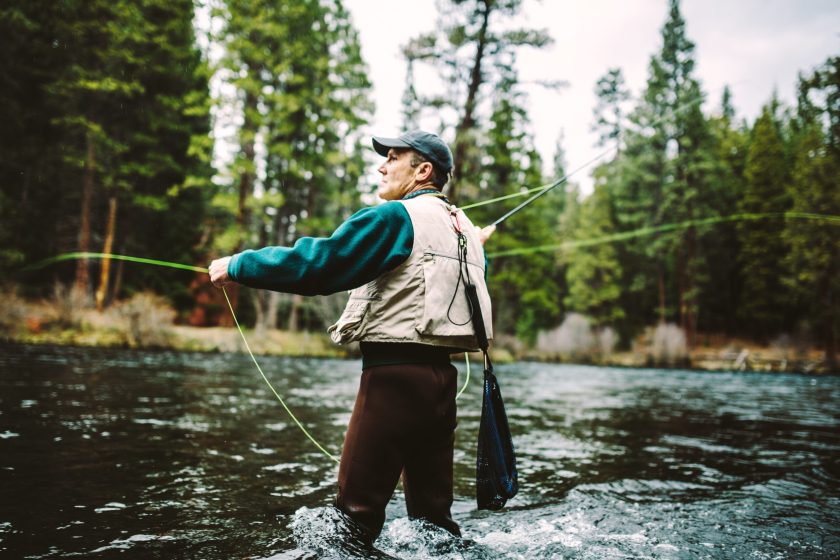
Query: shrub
[149,317]
[572,339]
[607,341]
[669,345]
[68,306]
[14,310]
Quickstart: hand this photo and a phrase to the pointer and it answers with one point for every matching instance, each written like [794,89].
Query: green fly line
[270,386]
[168,264]
[180,266]
[612,238]
[667,228]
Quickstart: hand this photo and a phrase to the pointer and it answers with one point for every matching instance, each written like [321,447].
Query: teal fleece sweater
[372,241]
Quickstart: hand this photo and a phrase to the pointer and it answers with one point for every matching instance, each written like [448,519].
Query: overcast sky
[753,46]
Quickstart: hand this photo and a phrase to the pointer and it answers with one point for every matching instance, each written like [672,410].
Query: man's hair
[439,177]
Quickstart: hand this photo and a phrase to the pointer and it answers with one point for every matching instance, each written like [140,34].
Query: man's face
[398,177]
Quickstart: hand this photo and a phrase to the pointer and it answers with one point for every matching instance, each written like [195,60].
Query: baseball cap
[425,143]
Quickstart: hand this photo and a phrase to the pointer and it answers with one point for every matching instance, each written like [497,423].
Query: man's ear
[424,171]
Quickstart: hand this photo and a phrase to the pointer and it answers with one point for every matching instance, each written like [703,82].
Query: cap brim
[382,145]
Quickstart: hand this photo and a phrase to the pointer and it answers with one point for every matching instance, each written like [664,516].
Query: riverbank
[146,323]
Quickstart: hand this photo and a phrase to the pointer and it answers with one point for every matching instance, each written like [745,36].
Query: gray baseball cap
[427,144]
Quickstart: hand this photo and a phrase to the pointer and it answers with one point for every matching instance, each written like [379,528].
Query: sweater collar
[421,192]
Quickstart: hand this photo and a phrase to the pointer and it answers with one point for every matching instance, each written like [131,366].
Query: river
[127,454]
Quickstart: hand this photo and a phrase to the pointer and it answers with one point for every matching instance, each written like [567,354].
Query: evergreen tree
[609,112]
[166,186]
[594,272]
[719,298]
[524,287]
[470,54]
[302,89]
[666,176]
[815,251]
[124,134]
[762,251]
[32,190]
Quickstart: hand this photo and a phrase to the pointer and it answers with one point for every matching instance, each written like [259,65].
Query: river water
[125,454]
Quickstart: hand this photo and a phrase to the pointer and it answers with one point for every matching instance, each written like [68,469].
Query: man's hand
[219,272]
[485,233]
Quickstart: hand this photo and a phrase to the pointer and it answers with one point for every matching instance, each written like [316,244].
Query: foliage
[110,100]
[117,108]
[594,273]
[301,89]
[472,51]
[523,288]
[762,250]
[814,255]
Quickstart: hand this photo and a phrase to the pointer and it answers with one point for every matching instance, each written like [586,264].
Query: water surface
[117,453]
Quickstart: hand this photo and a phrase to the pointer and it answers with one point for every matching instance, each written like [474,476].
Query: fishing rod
[565,178]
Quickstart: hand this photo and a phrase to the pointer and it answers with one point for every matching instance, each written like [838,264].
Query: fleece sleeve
[372,241]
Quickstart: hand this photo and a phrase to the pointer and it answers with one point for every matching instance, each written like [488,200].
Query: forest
[700,224]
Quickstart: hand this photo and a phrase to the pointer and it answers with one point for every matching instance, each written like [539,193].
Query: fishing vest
[422,300]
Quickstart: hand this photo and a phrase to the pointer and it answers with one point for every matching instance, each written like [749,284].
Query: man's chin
[384,194]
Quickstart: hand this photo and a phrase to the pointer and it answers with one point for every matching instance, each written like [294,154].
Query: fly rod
[566,177]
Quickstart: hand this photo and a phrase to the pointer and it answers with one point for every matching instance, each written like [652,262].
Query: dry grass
[146,320]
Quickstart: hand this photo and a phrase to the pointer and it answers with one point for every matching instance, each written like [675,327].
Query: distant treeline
[108,144]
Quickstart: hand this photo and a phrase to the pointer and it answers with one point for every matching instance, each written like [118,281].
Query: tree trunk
[468,121]
[830,320]
[105,271]
[294,314]
[274,299]
[246,178]
[281,229]
[246,186]
[83,264]
[687,295]
[683,288]
[260,297]
[660,280]
[118,280]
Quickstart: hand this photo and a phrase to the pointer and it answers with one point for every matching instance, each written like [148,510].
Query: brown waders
[403,422]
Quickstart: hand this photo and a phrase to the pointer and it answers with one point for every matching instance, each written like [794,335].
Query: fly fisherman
[405,262]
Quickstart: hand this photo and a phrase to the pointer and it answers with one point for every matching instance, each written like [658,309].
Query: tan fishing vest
[417,301]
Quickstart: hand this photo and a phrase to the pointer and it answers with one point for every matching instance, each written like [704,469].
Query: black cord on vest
[463,271]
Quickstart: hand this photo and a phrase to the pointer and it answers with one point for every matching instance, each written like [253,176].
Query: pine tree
[814,255]
[594,272]
[32,188]
[666,176]
[524,287]
[166,186]
[124,137]
[763,300]
[470,54]
[609,112]
[719,298]
[302,89]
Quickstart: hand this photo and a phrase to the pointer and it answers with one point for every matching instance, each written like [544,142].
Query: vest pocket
[349,326]
[446,312]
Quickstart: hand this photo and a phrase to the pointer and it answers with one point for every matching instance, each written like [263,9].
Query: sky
[754,46]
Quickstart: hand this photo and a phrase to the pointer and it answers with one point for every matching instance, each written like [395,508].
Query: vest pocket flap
[349,324]
[446,312]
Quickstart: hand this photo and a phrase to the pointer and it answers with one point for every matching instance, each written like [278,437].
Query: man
[407,261]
